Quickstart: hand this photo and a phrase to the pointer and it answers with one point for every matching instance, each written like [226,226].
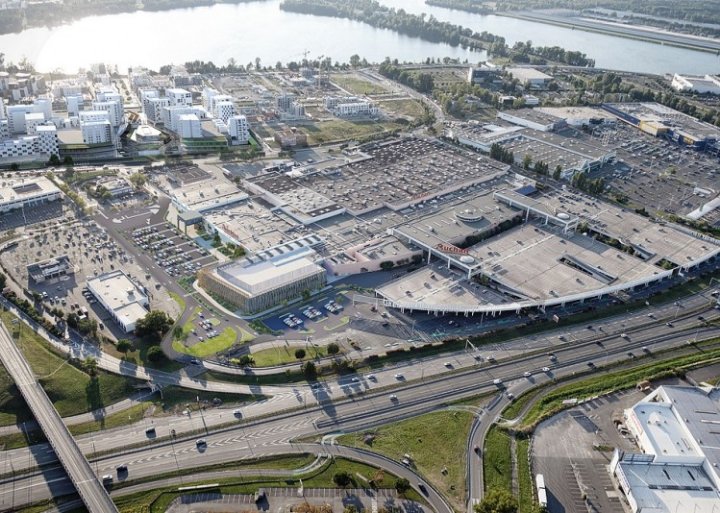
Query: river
[261,29]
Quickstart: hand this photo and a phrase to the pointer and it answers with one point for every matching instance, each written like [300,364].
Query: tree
[333,348]
[137,179]
[155,354]
[305,294]
[527,161]
[68,161]
[300,353]
[497,500]
[178,332]
[3,281]
[309,370]
[124,346]
[155,324]
[90,365]
[557,172]
[402,485]
[14,166]
[355,60]
[54,160]
[387,265]
[342,479]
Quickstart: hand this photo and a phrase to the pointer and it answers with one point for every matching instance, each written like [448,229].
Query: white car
[497,381]
[527,374]
[546,369]
[393,397]
[399,376]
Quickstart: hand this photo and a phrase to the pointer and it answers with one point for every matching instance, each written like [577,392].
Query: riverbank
[635,32]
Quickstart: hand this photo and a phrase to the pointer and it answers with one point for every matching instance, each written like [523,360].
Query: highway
[90,489]
[616,29]
[275,435]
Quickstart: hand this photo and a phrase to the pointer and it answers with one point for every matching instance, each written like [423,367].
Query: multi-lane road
[87,484]
[275,433]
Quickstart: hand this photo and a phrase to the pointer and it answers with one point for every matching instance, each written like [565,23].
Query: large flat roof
[13,190]
[119,293]
[256,277]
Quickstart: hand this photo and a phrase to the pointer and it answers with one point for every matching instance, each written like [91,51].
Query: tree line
[427,28]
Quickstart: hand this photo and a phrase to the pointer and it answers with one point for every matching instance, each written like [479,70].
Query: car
[393,397]
[527,374]
[237,413]
[200,442]
[399,376]
[669,324]
[553,358]
[645,349]
[624,335]
[497,382]
[372,377]
[477,449]
[447,364]
[546,369]
[107,479]
[259,495]
[122,468]
[590,364]
[150,431]
[511,396]
[355,379]
[422,488]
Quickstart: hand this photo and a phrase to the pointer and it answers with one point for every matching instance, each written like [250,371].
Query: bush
[155,354]
[402,485]
[342,479]
[300,353]
[333,348]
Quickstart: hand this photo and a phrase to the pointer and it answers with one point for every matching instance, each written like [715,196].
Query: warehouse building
[676,428]
[121,297]
[27,193]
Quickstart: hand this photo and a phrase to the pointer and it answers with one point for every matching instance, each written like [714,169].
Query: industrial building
[50,269]
[121,297]
[675,427]
[27,193]
[265,280]
[533,118]
[530,77]
[706,84]
[661,121]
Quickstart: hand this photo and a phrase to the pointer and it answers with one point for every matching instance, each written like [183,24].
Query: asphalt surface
[275,434]
[87,484]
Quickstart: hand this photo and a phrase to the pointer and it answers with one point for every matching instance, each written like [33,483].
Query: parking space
[323,314]
[177,254]
[90,252]
[573,449]
[38,214]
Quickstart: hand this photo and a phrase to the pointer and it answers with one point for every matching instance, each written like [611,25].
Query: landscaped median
[158,500]
[208,346]
[435,442]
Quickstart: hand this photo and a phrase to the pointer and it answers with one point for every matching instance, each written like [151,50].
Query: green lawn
[158,500]
[284,354]
[497,462]
[342,130]
[526,497]
[355,85]
[437,443]
[71,390]
[179,300]
[408,107]
[210,346]
[606,382]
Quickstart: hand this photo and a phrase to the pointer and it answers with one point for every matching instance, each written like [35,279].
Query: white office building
[171,115]
[26,193]
[96,132]
[223,110]
[44,106]
[32,121]
[121,297]
[188,127]
[74,102]
[16,118]
[239,130]
[114,109]
[207,95]
[676,428]
[355,109]
[154,109]
[179,97]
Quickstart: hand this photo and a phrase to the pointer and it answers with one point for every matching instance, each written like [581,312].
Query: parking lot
[91,252]
[38,214]
[657,173]
[573,449]
[175,253]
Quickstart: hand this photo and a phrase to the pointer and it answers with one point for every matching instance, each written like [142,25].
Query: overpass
[92,492]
